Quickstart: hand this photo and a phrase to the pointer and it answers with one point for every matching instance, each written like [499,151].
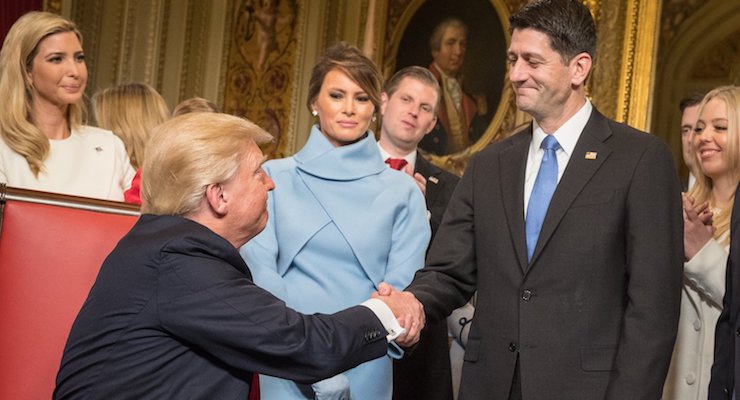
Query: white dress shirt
[567,136]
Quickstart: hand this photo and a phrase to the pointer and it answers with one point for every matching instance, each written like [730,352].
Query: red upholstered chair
[51,247]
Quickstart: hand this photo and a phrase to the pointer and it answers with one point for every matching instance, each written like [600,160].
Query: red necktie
[396,163]
[254,387]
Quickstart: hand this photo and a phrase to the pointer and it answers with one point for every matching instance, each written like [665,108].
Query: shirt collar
[410,158]
[567,135]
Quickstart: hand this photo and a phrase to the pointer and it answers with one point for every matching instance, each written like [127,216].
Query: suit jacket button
[526,294]
[512,347]
[737,332]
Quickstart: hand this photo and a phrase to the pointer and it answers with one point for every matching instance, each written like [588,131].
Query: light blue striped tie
[544,187]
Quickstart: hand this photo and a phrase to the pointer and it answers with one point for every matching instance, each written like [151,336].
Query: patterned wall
[259,67]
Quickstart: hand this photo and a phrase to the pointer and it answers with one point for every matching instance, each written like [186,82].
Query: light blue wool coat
[340,222]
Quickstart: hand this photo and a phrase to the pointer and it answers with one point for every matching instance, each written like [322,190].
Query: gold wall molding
[638,63]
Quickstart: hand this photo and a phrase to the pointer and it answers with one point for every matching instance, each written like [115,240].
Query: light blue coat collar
[346,163]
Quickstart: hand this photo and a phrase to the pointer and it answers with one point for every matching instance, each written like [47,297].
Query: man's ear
[431,125]
[383,102]
[580,67]
[216,199]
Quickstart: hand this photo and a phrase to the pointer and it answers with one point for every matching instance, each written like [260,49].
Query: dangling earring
[314,113]
[375,117]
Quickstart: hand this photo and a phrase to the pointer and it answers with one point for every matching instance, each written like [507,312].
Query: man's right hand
[407,309]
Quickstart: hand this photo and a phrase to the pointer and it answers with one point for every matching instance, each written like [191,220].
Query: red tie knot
[396,163]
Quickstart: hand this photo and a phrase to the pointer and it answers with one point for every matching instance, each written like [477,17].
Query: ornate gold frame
[456,162]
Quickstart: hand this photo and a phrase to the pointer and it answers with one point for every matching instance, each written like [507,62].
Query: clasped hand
[698,228]
[407,309]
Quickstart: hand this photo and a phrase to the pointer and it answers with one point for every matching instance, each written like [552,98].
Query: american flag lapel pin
[591,155]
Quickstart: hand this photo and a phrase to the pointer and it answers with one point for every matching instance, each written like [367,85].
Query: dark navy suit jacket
[174,314]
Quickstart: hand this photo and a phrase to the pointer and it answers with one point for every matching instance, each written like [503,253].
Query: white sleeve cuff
[385,315]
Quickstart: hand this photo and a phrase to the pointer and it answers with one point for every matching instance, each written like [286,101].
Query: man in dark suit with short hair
[174,314]
[409,107]
[570,231]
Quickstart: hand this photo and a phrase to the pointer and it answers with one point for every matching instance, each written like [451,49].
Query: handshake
[407,309]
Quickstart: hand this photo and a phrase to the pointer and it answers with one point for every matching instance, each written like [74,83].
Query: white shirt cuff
[385,315]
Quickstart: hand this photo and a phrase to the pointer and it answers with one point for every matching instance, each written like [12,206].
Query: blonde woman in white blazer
[707,210]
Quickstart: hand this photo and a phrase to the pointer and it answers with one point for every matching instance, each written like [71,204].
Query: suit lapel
[578,172]
[426,169]
[513,163]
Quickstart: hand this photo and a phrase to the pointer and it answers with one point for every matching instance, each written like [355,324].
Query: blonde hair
[702,190]
[189,152]
[195,104]
[16,58]
[130,111]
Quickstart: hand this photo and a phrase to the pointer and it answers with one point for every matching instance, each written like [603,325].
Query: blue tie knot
[550,143]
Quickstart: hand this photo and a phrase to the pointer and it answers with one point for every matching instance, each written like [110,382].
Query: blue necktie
[544,187]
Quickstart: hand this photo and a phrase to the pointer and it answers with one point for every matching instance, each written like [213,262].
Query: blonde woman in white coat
[707,209]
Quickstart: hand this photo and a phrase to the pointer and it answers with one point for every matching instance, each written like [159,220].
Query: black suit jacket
[174,314]
[425,373]
[726,365]
[594,314]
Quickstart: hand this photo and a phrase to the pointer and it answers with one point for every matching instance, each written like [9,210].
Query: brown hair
[568,24]
[349,60]
[421,74]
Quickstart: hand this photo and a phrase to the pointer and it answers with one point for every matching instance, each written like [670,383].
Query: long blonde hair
[702,189]
[16,58]
[130,111]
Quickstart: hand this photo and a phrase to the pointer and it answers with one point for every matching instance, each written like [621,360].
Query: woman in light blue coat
[340,221]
